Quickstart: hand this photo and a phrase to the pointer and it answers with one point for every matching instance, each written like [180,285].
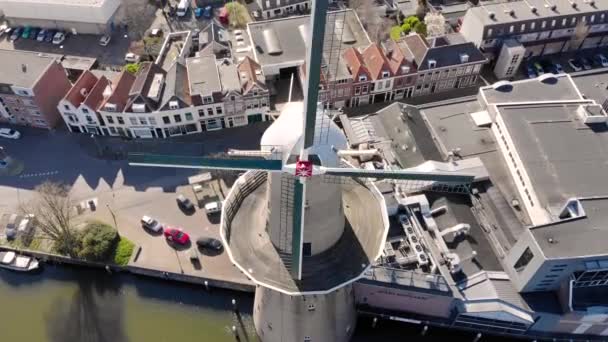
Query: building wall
[99,12]
[509,60]
[398,299]
[283,10]
[442,79]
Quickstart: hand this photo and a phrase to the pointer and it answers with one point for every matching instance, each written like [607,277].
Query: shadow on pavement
[66,157]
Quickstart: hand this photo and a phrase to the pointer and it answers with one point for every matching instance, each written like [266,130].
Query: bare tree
[581,31]
[365,11]
[421,9]
[53,210]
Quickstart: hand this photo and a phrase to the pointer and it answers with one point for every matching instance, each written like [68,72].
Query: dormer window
[173,105]
[385,74]
[432,63]
[464,58]
[405,69]
[362,78]
[207,99]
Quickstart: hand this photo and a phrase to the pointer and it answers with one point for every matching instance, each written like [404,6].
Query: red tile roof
[375,60]
[120,94]
[81,88]
[248,66]
[95,97]
[355,63]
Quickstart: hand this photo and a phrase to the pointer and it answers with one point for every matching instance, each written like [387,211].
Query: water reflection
[94,313]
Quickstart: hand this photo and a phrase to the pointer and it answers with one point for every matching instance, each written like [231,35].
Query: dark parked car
[209,243]
[184,203]
[34,33]
[48,36]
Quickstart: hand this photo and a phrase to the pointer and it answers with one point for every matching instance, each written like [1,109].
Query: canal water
[65,304]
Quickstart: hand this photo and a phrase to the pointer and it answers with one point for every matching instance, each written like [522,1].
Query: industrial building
[76,16]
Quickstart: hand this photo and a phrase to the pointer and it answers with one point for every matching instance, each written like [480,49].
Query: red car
[176,235]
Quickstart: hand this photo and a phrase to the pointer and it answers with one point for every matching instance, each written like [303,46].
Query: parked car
[34,33]
[586,63]
[48,36]
[131,58]
[213,207]
[3,29]
[16,34]
[557,69]
[11,227]
[176,235]
[208,14]
[209,243]
[105,40]
[198,12]
[184,203]
[601,60]
[157,32]
[9,133]
[538,68]
[151,224]
[575,65]
[25,34]
[41,35]
[7,32]
[58,38]
[530,71]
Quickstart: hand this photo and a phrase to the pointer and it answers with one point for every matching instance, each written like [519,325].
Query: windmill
[302,223]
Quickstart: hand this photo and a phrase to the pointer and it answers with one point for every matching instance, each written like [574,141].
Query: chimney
[84,92]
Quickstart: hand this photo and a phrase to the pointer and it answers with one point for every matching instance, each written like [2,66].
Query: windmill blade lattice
[195,162]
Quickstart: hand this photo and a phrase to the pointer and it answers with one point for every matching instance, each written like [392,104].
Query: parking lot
[547,63]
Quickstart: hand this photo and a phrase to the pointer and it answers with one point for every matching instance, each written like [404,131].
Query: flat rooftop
[578,236]
[285,40]
[522,10]
[203,75]
[558,88]
[22,68]
[563,157]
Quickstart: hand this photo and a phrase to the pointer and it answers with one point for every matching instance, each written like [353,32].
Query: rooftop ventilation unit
[139,108]
[573,4]
[550,5]
[591,113]
[590,2]
[110,107]
[509,11]
[464,58]
[491,15]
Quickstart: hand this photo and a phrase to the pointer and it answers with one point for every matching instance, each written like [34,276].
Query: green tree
[237,14]
[132,68]
[412,20]
[406,28]
[53,209]
[420,28]
[97,241]
[396,32]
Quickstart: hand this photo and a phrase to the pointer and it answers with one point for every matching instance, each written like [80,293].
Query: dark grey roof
[450,55]
[176,86]
[141,86]
[213,33]
[579,236]
[559,88]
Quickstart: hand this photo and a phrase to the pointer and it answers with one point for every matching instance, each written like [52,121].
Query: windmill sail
[196,162]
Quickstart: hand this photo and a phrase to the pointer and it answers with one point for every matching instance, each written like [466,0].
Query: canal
[65,304]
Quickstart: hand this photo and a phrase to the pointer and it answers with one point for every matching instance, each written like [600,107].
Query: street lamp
[113,216]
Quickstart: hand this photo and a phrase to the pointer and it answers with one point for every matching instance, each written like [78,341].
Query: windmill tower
[301,223]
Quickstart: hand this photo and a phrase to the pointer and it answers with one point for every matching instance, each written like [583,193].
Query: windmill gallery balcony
[244,228]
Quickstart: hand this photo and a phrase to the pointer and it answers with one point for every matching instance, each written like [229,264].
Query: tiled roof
[81,88]
[95,97]
[396,58]
[417,45]
[120,93]
[247,73]
[375,61]
[355,62]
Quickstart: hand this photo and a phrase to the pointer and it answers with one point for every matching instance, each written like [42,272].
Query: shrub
[132,68]
[123,251]
[406,28]
[237,14]
[396,32]
[412,20]
[420,28]
[97,240]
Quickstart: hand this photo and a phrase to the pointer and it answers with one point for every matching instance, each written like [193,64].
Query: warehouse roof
[22,69]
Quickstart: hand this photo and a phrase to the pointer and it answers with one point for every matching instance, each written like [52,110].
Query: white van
[182,8]
[213,207]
